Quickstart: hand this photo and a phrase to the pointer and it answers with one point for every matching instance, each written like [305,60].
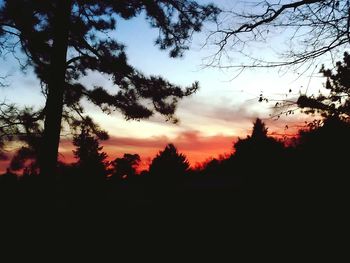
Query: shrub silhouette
[125,167]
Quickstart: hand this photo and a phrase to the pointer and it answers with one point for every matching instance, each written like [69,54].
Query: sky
[222,110]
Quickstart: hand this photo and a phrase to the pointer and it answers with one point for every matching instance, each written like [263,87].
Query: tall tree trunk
[54,101]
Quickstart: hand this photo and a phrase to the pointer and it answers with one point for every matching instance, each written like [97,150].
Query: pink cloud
[196,146]
[3,165]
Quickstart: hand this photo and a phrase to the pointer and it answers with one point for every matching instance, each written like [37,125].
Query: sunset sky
[210,120]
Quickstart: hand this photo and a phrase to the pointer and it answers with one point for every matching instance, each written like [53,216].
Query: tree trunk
[54,101]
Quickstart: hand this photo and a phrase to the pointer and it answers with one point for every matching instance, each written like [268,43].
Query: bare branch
[316,28]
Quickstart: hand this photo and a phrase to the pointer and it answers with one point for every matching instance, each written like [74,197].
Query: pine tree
[169,165]
[335,103]
[64,40]
[91,161]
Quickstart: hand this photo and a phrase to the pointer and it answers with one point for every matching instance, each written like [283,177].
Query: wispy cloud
[196,146]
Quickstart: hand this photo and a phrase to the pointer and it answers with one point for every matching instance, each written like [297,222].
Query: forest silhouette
[300,174]
[62,41]
[260,169]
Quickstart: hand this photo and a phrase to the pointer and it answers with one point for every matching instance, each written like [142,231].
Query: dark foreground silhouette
[262,175]
[272,200]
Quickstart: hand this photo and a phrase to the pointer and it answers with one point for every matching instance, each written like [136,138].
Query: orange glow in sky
[222,110]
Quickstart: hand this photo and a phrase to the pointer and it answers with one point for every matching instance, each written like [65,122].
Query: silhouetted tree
[91,162]
[320,156]
[211,167]
[169,167]
[19,125]
[126,166]
[259,144]
[217,167]
[324,26]
[8,187]
[25,158]
[259,130]
[64,40]
[260,158]
[325,143]
[336,101]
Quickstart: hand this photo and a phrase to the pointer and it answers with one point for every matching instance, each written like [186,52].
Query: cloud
[207,130]
[196,146]
[4,164]
[223,110]
[187,141]
[232,114]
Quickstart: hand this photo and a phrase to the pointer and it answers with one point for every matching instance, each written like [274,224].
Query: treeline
[313,165]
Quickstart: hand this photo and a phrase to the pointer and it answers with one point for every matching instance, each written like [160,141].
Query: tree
[259,129]
[126,166]
[315,28]
[91,162]
[169,166]
[321,154]
[331,102]
[20,125]
[336,101]
[259,147]
[64,40]
[261,159]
